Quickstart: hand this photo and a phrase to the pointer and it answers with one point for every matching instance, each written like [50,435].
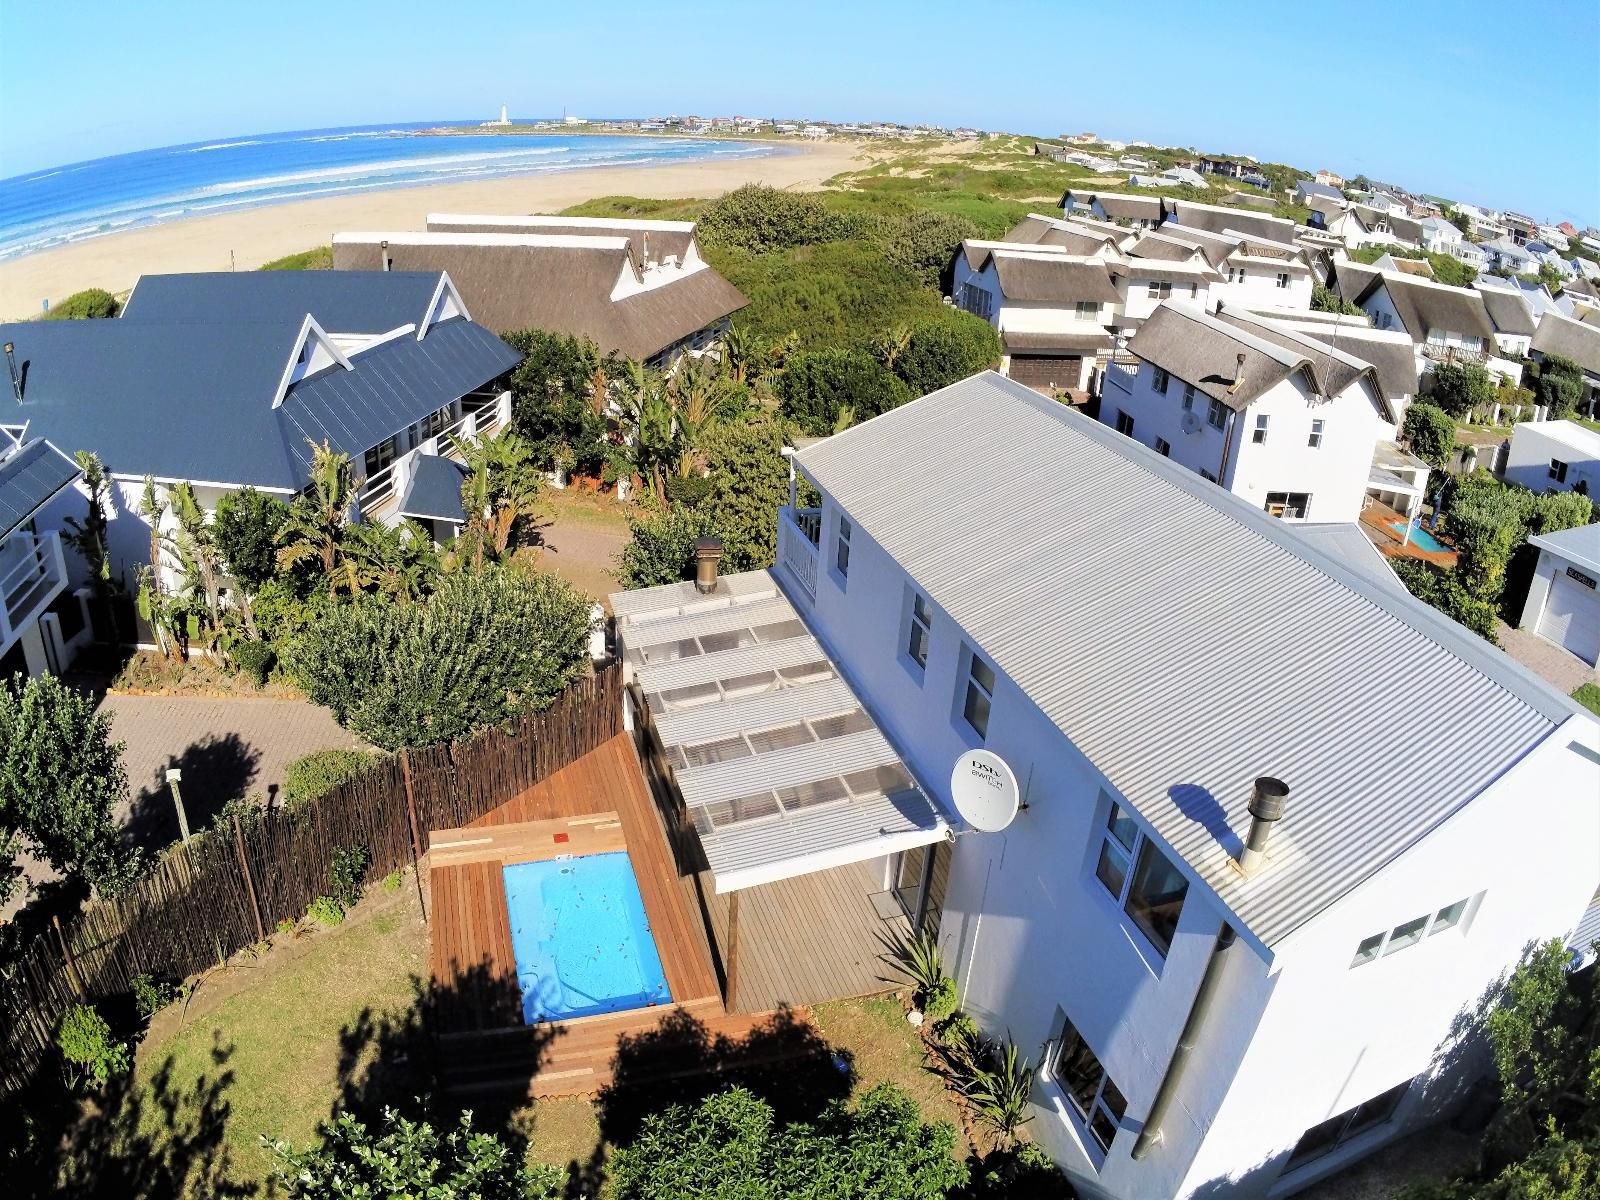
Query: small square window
[1369,950]
[1163,447]
[1558,470]
[1448,917]
[1315,440]
[1283,279]
[979,698]
[1087,310]
[1258,435]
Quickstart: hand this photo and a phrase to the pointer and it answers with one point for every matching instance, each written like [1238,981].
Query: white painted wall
[1255,285]
[1534,444]
[1138,303]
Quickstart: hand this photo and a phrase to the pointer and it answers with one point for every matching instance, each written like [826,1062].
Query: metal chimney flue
[707,558]
[16,375]
[1267,803]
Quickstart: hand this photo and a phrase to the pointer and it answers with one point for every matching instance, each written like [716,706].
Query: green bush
[347,874]
[1440,589]
[318,258]
[392,881]
[1486,521]
[89,304]
[318,773]
[660,546]
[254,660]
[924,241]
[747,484]
[1430,433]
[1324,299]
[325,910]
[958,1029]
[1588,695]
[1559,386]
[818,386]
[940,1001]
[688,490]
[151,995]
[946,349]
[92,1055]
[1024,1172]
[1461,388]
[554,401]
[761,218]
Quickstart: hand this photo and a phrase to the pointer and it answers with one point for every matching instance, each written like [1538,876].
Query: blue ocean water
[581,938]
[52,207]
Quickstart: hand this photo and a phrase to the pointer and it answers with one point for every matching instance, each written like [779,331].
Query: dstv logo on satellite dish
[984,790]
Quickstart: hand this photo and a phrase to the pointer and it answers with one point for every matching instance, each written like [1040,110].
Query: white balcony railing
[34,576]
[799,531]
[389,483]
[1121,375]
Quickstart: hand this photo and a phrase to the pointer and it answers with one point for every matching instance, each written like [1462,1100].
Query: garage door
[1038,371]
[1571,617]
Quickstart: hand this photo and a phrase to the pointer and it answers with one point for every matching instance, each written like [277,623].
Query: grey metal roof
[341,301]
[31,476]
[1579,545]
[1345,542]
[1238,647]
[193,400]
[781,770]
[434,490]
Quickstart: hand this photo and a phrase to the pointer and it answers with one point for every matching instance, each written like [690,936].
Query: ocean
[54,207]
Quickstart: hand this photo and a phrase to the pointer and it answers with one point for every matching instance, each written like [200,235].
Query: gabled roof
[1423,305]
[1204,350]
[1058,279]
[1335,369]
[1119,205]
[1311,187]
[31,475]
[1577,340]
[1403,227]
[1037,230]
[1164,246]
[651,241]
[1219,219]
[434,490]
[1224,617]
[1580,545]
[193,400]
[1390,353]
[561,283]
[368,302]
[1508,311]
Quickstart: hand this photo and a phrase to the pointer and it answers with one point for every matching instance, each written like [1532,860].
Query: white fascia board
[171,481]
[446,288]
[825,860]
[308,329]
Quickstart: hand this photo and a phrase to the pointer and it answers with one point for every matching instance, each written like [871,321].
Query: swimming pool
[1420,538]
[581,938]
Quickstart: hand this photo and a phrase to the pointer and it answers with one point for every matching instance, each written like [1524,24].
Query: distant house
[1140,212]
[1329,179]
[1505,254]
[1442,237]
[1250,270]
[1513,321]
[1445,324]
[42,623]
[229,379]
[1554,456]
[1284,422]
[1181,177]
[1363,225]
[639,288]
[1256,179]
[1576,340]
[1228,168]
[1307,189]
[1218,219]
[1563,604]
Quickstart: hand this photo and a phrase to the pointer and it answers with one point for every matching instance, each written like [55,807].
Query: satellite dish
[1191,422]
[984,790]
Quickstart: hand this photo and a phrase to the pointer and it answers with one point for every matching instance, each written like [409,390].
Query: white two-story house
[1285,422]
[1445,324]
[1138,212]
[1249,270]
[1234,926]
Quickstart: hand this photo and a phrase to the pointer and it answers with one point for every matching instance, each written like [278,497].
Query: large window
[977,301]
[1409,933]
[1124,423]
[1141,878]
[1093,1096]
[1336,1131]
[841,551]
[979,697]
[1288,504]
[1217,414]
[921,629]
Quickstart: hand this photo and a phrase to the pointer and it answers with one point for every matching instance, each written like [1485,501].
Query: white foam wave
[434,163]
[223,146]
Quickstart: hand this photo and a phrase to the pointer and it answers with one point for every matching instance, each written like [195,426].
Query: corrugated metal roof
[30,476]
[1229,646]
[434,490]
[341,301]
[780,768]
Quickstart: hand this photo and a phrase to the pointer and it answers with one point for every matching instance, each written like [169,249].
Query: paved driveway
[226,748]
[1559,667]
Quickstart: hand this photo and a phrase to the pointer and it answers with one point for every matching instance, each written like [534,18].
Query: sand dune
[247,239]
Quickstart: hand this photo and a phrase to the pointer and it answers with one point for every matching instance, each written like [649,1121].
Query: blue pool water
[581,938]
[1420,538]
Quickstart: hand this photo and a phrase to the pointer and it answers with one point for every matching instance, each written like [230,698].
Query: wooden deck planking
[532,841]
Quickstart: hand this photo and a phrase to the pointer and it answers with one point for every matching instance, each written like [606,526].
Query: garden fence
[230,886]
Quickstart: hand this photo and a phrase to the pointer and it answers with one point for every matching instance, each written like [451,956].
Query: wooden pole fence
[250,885]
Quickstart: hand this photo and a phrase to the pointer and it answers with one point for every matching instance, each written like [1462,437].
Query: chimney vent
[1267,802]
[383,252]
[1238,375]
[11,366]
[707,557]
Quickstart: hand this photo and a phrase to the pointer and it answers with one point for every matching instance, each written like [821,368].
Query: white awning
[781,770]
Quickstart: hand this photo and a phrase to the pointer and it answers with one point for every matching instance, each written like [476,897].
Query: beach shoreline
[245,239]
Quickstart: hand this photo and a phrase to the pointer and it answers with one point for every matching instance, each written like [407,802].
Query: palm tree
[500,492]
[318,517]
[650,428]
[741,354]
[889,346]
[397,561]
[88,537]
[195,543]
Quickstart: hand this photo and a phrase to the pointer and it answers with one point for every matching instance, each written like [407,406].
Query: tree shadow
[160,1137]
[215,769]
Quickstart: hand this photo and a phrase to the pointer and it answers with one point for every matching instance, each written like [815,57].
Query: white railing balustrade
[30,583]
[799,531]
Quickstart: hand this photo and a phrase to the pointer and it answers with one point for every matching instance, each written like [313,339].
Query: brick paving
[1560,668]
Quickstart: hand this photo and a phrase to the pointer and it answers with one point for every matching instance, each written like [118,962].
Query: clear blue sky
[1412,91]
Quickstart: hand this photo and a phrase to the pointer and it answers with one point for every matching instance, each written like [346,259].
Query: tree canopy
[1560,386]
[1430,433]
[1459,388]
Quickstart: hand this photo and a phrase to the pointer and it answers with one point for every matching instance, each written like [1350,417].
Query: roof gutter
[1204,999]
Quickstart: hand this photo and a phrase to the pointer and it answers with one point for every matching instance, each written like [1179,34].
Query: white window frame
[1083,1119]
[1158,289]
[1258,435]
[1217,414]
[1087,310]
[1283,279]
[972,684]
[1188,397]
[919,617]
[1318,427]
[841,549]
[1160,380]
[1134,855]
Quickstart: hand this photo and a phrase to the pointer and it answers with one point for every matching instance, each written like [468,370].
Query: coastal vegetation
[318,258]
[89,304]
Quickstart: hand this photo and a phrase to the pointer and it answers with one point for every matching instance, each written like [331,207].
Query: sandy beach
[249,238]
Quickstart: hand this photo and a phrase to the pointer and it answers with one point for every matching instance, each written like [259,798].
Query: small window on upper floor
[1283,279]
[1188,397]
[1141,878]
[920,630]
[841,552]
[1258,435]
[1160,380]
[1217,414]
[1315,440]
[1410,933]
[1558,470]
[1087,310]
[1163,447]
[1124,423]
[978,701]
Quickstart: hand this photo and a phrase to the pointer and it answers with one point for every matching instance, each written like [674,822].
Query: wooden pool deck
[596,804]
[1377,521]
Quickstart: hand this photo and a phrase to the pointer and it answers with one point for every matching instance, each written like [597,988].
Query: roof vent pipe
[1238,375]
[1267,803]
[11,366]
[707,556]
[383,252]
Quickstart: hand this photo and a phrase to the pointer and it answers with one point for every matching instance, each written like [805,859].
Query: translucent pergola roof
[781,769]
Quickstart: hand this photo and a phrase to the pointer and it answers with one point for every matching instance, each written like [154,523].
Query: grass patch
[318,258]
[1588,695]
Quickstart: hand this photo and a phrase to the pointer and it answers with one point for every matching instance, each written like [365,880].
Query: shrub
[747,484]
[1460,388]
[151,995]
[1430,433]
[392,881]
[917,959]
[347,874]
[761,218]
[945,349]
[939,1001]
[1024,1172]
[247,524]
[318,258]
[958,1028]
[1441,590]
[660,547]
[818,385]
[92,1055]
[488,646]
[1324,299]
[325,910]
[1560,386]
[554,401]
[923,241]
[287,925]
[318,773]
[1486,521]
[687,490]
[89,304]
[254,660]
[1001,1092]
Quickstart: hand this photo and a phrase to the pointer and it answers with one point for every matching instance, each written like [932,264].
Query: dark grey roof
[1204,350]
[194,401]
[1423,305]
[30,477]
[341,301]
[434,491]
[1223,614]
[1311,187]
[1043,231]
[1157,245]
[1119,204]
[1334,369]
[1219,220]
[1394,359]
[1052,279]
[1577,340]
[1508,311]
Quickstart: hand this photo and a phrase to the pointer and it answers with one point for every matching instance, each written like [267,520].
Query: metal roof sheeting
[1228,646]
[434,490]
